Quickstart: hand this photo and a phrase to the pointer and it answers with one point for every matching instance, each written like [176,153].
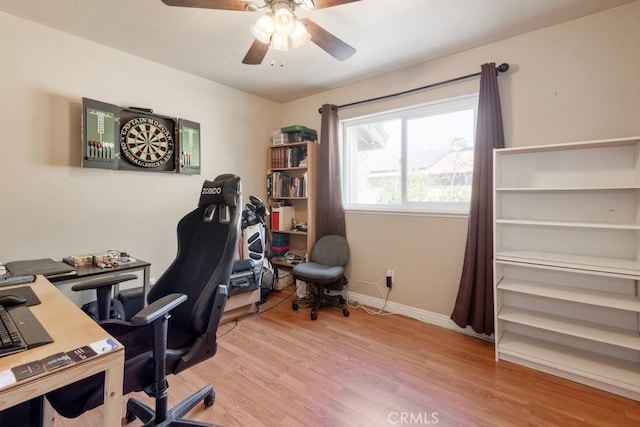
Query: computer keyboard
[10,339]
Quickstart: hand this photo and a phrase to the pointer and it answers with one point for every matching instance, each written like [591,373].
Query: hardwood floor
[279,368]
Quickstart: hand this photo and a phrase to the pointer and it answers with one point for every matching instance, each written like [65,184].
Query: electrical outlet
[389,278]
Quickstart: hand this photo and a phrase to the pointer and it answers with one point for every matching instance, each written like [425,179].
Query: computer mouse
[11,299]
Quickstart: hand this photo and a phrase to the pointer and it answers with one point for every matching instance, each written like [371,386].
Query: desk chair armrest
[104,289]
[157,309]
[100,283]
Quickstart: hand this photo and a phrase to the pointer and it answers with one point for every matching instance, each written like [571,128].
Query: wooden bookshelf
[294,163]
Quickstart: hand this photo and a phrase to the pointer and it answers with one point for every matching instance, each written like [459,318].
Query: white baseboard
[415,313]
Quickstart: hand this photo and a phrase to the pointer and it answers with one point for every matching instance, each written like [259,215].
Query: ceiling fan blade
[327,41]
[322,4]
[256,53]
[211,4]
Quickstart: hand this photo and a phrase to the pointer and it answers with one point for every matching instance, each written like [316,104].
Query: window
[418,159]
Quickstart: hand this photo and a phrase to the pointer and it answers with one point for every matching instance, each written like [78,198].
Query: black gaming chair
[194,289]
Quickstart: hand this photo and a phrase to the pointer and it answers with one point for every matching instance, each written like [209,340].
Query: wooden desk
[70,328]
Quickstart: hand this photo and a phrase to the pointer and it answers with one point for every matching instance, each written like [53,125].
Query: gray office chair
[324,271]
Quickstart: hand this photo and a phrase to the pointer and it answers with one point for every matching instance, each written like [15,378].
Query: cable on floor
[357,304]
[258,312]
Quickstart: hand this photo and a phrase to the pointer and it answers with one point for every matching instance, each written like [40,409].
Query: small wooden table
[89,272]
[70,329]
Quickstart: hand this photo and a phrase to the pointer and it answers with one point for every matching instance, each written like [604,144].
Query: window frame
[437,107]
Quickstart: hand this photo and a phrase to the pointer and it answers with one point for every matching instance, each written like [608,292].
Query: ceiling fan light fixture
[283,19]
[307,4]
[300,35]
[279,42]
[263,28]
[279,28]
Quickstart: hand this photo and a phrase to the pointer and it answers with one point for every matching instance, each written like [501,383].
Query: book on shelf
[288,157]
[282,185]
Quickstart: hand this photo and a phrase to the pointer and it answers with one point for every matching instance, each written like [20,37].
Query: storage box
[282,218]
[78,260]
[285,278]
[103,257]
[302,136]
[297,128]
[300,133]
[279,245]
[241,305]
[279,138]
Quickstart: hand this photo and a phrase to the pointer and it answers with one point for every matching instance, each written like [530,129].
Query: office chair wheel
[314,315]
[209,400]
[295,305]
[345,312]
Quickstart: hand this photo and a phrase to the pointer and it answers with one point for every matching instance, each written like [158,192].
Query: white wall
[49,205]
[575,81]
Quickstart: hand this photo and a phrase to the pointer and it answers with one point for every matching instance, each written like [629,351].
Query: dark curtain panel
[474,304]
[329,209]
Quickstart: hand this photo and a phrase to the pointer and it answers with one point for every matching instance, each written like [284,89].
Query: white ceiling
[388,34]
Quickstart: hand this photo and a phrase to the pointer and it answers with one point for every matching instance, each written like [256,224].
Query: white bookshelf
[567,260]
[594,369]
[566,293]
[561,259]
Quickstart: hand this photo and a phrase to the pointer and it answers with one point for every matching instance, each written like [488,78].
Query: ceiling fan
[280,28]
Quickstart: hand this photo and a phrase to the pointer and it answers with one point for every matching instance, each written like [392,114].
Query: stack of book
[279,245]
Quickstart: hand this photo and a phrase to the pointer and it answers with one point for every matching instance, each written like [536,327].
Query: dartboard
[146,142]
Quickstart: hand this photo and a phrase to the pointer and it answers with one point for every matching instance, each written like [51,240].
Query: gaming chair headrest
[223,190]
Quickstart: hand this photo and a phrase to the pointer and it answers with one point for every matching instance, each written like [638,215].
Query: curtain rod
[500,68]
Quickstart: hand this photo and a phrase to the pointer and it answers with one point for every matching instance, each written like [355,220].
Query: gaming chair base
[137,409]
